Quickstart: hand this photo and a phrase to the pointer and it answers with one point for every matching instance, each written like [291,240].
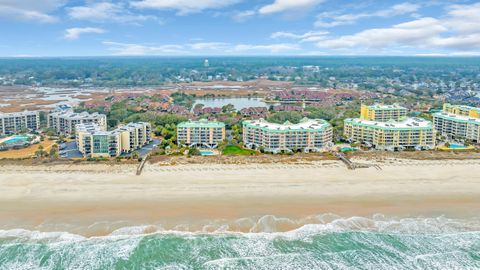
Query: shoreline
[96,199]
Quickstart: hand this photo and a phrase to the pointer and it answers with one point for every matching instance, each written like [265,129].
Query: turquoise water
[456,146]
[345,149]
[206,153]
[15,139]
[344,243]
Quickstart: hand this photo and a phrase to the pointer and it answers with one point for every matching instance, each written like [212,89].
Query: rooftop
[462,107]
[73,115]
[407,123]
[3,114]
[203,123]
[95,129]
[88,128]
[457,118]
[304,125]
[386,107]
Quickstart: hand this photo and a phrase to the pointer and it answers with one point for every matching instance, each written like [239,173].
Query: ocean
[334,242]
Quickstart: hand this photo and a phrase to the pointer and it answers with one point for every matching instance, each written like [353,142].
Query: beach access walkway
[144,160]
[342,157]
[354,165]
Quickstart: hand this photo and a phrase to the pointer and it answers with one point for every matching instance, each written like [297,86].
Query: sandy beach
[96,199]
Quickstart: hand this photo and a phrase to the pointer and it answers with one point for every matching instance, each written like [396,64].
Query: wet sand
[98,199]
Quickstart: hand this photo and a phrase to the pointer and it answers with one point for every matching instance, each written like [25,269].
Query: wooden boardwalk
[144,160]
[342,157]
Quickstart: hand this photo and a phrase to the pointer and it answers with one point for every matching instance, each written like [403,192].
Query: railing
[144,160]
[345,160]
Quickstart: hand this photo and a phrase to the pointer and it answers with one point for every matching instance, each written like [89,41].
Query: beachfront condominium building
[12,123]
[94,141]
[200,133]
[458,122]
[410,133]
[309,135]
[65,121]
[383,113]
[462,110]
[386,127]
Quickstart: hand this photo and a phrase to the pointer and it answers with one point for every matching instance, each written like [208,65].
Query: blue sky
[238,27]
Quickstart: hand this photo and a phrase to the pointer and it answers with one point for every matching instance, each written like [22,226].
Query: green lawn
[236,150]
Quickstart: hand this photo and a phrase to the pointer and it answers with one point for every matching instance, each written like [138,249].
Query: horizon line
[239,56]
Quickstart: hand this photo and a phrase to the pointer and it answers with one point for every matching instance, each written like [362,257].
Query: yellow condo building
[386,127]
[383,113]
[462,110]
[458,122]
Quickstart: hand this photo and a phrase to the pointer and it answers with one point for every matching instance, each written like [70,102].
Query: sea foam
[329,242]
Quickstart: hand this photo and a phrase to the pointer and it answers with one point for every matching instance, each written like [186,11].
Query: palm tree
[54,151]
[40,152]
[135,154]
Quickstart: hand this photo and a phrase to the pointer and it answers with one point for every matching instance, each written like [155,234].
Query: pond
[238,102]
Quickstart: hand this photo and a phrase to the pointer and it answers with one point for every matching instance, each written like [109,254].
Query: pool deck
[465,148]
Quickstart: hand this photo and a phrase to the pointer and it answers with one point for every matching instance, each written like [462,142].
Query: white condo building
[201,133]
[310,135]
[64,121]
[12,123]
[94,141]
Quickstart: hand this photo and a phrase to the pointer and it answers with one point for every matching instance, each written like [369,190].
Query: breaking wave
[329,242]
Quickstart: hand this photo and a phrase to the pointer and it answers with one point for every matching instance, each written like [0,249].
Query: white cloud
[399,9]
[458,42]
[306,37]
[105,12]
[461,54]
[332,19]
[270,48]
[31,10]
[458,30]
[201,48]
[288,5]
[244,15]
[464,18]
[183,6]
[410,33]
[130,49]
[209,46]
[74,33]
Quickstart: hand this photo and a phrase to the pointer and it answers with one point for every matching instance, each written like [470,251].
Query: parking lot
[145,149]
[69,150]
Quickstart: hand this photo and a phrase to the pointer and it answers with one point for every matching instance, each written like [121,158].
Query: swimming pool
[206,153]
[457,146]
[346,149]
[15,139]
